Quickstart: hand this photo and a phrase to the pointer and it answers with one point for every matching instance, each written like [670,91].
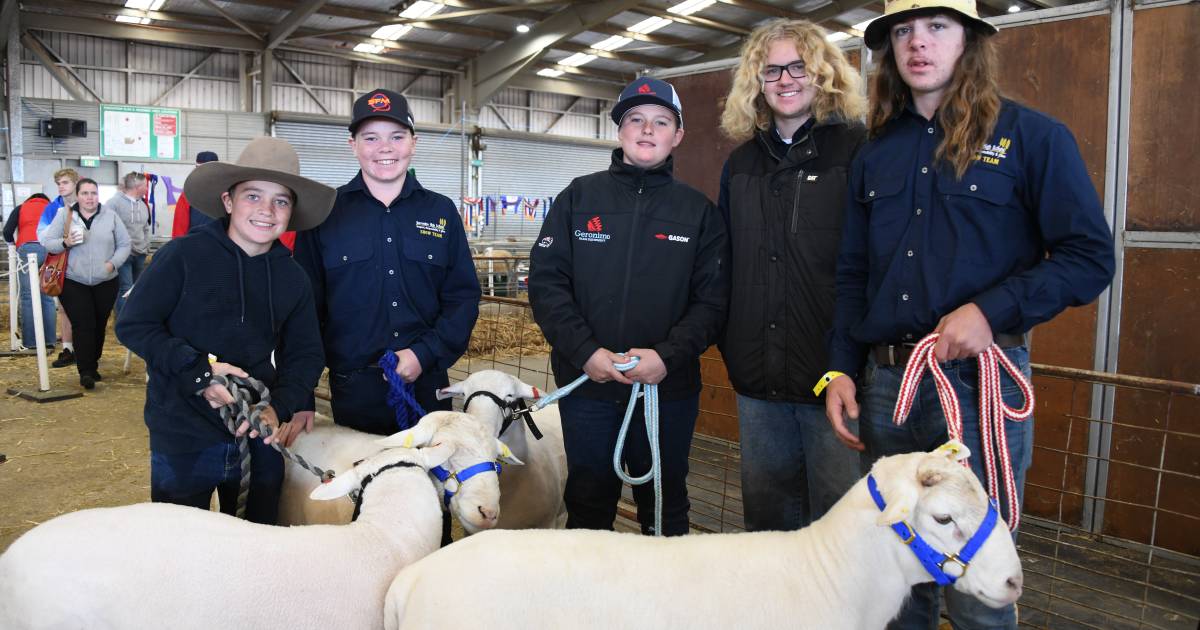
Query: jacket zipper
[637,207]
[796,202]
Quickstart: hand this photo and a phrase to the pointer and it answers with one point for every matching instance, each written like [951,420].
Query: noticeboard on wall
[129,131]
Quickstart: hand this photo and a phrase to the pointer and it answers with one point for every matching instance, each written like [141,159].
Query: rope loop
[993,412]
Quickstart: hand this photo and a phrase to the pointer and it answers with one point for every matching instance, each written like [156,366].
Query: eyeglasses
[771,74]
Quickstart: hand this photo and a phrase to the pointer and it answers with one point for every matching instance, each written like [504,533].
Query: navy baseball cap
[204,157]
[382,103]
[647,91]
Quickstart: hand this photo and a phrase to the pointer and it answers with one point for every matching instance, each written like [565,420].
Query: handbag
[53,272]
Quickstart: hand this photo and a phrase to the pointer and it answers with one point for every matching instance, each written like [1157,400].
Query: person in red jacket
[21,230]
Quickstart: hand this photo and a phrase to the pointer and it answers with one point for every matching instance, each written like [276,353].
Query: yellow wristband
[825,380]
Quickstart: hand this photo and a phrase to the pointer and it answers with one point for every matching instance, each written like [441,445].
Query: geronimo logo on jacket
[593,232]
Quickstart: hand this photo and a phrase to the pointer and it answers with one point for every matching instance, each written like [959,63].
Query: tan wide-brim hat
[264,159]
[876,34]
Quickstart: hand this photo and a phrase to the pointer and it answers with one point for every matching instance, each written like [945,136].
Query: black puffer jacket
[630,258]
[783,205]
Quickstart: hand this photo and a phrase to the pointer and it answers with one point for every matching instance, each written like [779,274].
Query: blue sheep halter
[400,395]
[933,560]
[461,477]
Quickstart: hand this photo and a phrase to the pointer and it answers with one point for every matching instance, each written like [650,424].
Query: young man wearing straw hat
[971,216]
[391,272]
[229,290]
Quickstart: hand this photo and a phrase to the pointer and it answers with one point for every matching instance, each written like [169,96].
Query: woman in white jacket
[98,245]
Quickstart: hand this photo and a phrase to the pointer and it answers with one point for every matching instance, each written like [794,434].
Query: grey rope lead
[243,409]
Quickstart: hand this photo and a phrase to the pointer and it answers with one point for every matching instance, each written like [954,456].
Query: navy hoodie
[203,295]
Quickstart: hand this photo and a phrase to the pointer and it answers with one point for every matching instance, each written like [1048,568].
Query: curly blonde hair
[839,87]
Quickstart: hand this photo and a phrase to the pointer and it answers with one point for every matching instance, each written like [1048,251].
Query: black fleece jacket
[630,258]
[203,295]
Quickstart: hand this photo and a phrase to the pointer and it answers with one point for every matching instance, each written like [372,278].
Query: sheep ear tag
[954,450]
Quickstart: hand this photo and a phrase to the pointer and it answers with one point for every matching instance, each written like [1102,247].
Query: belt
[898,353]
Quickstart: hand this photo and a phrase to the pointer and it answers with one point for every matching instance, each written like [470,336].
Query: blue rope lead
[651,414]
[400,395]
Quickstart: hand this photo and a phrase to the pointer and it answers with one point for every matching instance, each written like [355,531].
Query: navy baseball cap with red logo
[647,91]
[382,103]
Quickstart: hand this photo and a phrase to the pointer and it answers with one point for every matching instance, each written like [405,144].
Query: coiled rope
[401,397]
[650,411]
[992,412]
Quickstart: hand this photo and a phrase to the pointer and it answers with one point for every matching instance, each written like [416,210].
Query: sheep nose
[1014,583]
[489,515]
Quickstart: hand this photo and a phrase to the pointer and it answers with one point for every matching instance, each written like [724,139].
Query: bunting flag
[530,207]
[151,184]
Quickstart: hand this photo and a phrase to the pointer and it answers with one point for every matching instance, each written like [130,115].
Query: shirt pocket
[888,209]
[341,254]
[977,218]
[426,251]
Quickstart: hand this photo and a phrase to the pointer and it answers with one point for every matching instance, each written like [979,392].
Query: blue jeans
[28,332]
[793,466]
[925,430]
[127,274]
[358,399]
[590,429]
[190,478]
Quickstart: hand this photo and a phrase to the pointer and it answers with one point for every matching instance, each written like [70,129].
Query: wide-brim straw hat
[876,34]
[264,159]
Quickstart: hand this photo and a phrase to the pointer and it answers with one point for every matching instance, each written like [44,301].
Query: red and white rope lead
[992,411]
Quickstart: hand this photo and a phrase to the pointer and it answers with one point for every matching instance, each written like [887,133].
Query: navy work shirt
[391,277]
[1022,234]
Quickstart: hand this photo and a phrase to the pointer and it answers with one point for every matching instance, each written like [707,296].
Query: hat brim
[624,106]
[876,34]
[205,185]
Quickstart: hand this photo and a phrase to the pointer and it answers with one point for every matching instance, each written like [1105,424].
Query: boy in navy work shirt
[391,272]
[229,289]
[630,263]
[968,215]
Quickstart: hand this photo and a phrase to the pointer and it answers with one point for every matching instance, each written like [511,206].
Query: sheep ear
[337,487]
[417,436]
[506,454]
[954,450]
[901,498]
[452,391]
[436,455]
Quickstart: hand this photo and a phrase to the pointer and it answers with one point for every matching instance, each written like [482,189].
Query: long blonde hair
[838,85]
[969,111]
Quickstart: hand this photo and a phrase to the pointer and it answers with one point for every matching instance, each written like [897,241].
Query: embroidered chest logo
[380,103]
[594,233]
[994,153]
[546,242]
[672,237]
[436,230]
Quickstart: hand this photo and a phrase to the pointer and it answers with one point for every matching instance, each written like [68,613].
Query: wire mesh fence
[1110,535]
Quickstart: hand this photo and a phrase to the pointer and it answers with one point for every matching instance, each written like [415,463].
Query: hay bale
[506,334]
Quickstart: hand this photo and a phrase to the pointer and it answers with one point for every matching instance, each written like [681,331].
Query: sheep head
[943,501]
[476,502]
[347,481]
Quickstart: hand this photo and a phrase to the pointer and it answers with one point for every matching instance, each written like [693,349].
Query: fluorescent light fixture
[1014,8]
[550,72]
[862,26]
[578,59]
[129,19]
[391,31]
[612,43]
[522,28]
[688,7]
[368,48]
[649,25]
[836,37]
[421,9]
[144,5]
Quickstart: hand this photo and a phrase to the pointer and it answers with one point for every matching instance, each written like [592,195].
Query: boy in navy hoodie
[229,290]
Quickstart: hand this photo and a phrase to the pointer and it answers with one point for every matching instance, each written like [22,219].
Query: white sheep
[476,504]
[847,570]
[531,497]
[155,565]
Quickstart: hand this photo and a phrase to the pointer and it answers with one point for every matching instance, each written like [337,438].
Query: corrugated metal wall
[532,169]
[535,112]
